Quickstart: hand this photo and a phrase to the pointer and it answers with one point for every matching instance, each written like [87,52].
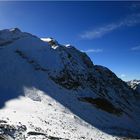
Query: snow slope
[47,119]
[53,91]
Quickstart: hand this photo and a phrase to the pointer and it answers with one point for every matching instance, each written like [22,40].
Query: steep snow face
[43,69]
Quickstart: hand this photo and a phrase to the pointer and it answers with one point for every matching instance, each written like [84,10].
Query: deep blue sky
[108,31]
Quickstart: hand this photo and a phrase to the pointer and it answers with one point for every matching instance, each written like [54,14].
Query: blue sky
[109,32]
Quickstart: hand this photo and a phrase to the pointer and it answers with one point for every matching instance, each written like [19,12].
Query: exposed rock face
[76,68]
[11,132]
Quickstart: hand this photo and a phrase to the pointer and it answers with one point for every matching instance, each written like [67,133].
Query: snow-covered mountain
[54,91]
[135,85]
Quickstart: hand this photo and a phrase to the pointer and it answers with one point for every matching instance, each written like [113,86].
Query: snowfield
[48,118]
[50,91]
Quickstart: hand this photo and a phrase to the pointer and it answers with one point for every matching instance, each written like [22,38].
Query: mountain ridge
[46,70]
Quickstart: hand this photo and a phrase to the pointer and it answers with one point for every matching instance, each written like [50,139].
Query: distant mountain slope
[135,85]
[54,91]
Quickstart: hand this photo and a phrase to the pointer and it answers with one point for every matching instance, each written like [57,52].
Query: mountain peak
[14,30]
[8,36]
[10,30]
